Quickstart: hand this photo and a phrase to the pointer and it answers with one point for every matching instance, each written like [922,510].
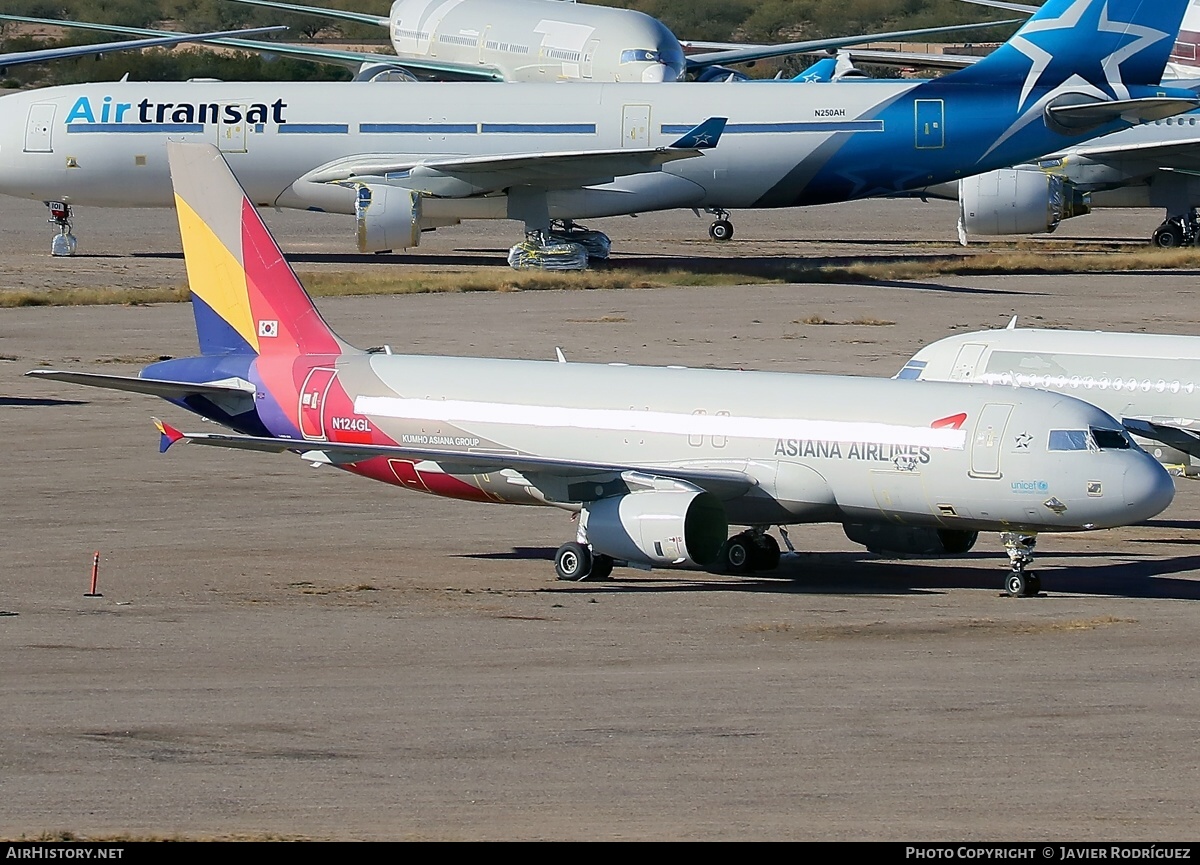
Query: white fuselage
[1128,375]
[536,40]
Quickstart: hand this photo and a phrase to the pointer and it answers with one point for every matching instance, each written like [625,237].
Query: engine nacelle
[384,72]
[661,528]
[389,217]
[909,540]
[1018,201]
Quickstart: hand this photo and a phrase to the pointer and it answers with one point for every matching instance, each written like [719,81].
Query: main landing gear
[566,246]
[1178,231]
[576,562]
[1020,583]
[749,551]
[64,242]
[722,229]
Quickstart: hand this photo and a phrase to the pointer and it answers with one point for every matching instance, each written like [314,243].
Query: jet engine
[659,527]
[384,72]
[389,217]
[1018,201]
[885,538]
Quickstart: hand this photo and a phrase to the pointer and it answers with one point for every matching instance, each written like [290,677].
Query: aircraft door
[312,402]
[931,124]
[589,56]
[635,126]
[967,360]
[231,136]
[39,132]
[988,438]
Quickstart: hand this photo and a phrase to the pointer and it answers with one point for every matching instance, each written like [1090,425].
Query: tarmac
[283,652]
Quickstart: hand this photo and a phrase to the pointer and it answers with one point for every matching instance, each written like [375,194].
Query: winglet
[168,435]
[702,137]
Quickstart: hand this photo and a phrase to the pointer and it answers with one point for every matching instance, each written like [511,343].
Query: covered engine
[685,527]
[884,538]
[388,217]
[1018,201]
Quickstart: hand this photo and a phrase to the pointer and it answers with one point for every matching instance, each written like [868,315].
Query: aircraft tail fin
[245,296]
[1104,44]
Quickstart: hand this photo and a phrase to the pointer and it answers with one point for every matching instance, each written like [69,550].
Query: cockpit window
[1091,439]
[1110,439]
[640,55]
[912,370]
[1068,439]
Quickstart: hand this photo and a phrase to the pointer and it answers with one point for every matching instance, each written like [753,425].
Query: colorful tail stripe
[245,296]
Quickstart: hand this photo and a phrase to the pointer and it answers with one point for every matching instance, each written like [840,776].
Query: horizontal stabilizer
[723,483]
[153,387]
[1092,114]
[1168,431]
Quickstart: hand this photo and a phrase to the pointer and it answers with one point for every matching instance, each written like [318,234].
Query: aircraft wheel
[602,567]
[1017,585]
[1168,236]
[766,553]
[721,230]
[573,562]
[738,554]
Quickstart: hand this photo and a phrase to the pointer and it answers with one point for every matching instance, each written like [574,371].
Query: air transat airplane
[655,462]
[411,158]
[1151,382]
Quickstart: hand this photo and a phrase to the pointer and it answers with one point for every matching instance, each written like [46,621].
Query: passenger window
[1068,440]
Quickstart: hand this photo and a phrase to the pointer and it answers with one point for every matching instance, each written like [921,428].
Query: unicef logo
[1030,486]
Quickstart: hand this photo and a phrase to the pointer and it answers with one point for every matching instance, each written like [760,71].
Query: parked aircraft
[522,40]
[421,157]
[1150,382]
[1153,165]
[162,40]
[655,462]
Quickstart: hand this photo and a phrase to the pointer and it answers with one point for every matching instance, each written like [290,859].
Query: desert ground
[288,652]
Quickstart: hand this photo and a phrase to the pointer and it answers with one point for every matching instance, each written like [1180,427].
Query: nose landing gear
[1020,583]
[60,214]
[722,229]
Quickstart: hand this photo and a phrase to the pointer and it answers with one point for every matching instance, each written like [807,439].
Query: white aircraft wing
[322,11]
[761,52]
[723,483]
[1174,155]
[913,58]
[158,39]
[1010,7]
[353,60]
[564,169]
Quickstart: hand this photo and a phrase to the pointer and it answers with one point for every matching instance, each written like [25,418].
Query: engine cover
[660,528]
[1018,201]
[909,540]
[389,217]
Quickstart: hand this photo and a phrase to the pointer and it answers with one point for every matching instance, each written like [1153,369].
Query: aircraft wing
[235,395]
[1010,7]
[912,58]
[551,170]
[157,38]
[723,483]
[1173,155]
[761,52]
[353,60]
[1183,434]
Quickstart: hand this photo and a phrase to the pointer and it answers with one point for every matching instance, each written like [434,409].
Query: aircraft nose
[1148,489]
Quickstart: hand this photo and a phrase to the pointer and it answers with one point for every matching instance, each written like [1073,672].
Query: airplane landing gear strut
[60,214]
[1020,584]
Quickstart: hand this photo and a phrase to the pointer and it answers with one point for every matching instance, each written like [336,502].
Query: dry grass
[859,322]
[1017,260]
